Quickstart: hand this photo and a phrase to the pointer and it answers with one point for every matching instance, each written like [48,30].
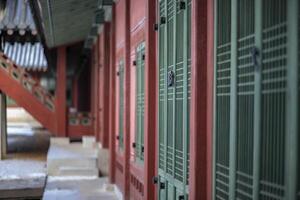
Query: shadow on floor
[27,139]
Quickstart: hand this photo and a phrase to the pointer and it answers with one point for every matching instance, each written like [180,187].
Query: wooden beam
[3,129]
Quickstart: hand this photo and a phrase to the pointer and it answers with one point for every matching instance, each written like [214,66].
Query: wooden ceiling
[67,21]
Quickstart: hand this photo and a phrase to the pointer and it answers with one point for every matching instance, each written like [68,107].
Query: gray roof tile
[18,16]
[29,56]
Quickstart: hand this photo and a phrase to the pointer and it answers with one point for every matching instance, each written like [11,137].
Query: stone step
[54,165]
[71,155]
[59,141]
[78,171]
[89,142]
[85,188]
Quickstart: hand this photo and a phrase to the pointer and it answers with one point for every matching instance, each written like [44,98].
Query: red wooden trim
[120,171]
[150,101]
[137,186]
[61,99]
[210,91]
[127,101]
[112,85]
[137,170]
[77,131]
[201,101]
[105,87]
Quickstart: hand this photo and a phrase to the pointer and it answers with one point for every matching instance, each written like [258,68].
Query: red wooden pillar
[127,102]
[75,93]
[61,97]
[201,100]
[150,102]
[99,100]
[104,95]
[95,90]
[112,99]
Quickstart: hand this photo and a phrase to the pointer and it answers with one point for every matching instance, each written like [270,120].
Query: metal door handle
[171,78]
[255,55]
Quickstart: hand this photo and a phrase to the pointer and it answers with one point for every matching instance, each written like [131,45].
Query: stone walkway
[23,175]
[73,171]
[26,172]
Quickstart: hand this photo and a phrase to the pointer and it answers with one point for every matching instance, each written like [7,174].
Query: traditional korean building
[193,99]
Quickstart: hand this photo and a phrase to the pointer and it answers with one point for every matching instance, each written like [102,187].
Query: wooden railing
[80,119]
[24,78]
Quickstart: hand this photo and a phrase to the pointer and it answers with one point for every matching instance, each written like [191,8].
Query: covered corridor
[158,99]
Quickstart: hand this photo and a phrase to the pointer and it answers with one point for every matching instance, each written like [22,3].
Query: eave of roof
[18,18]
[29,56]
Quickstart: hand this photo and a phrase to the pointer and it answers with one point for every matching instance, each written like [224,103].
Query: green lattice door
[174,98]
[256,100]
[121,104]
[140,102]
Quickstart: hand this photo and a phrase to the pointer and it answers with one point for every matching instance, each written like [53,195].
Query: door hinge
[142,149]
[133,145]
[155,180]
[255,57]
[155,27]
[182,5]
[171,78]
[134,63]
[118,137]
[162,185]
[181,197]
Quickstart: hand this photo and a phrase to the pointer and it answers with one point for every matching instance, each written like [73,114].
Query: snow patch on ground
[28,176]
[68,178]
[20,131]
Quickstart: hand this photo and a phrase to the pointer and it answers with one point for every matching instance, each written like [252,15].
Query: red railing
[24,78]
[80,119]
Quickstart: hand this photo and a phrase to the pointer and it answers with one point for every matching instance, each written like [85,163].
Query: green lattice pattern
[140,102]
[174,97]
